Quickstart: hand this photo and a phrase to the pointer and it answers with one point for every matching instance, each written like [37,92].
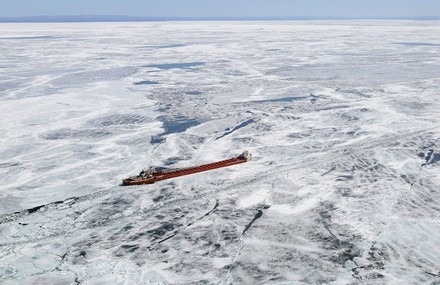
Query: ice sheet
[342,119]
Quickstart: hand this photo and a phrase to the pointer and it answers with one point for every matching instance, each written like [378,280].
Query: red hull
[163,175]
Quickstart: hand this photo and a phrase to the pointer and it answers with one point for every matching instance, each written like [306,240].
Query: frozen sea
[342,119]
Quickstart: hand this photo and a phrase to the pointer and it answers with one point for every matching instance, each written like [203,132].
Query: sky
[222,8]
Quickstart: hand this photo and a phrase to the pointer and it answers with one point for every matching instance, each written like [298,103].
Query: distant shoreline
[87,18]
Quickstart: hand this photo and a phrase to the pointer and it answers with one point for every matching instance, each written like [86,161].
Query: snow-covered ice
[342,119]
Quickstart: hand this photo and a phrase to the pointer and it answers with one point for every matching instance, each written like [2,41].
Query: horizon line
[122,18]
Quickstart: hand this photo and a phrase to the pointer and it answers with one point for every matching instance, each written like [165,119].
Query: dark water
[172,126]
[175,65]
[145,82]
[178,125]
[9,164]
[239,126]
[162,46]
[194,93]
[416,44]
[283,99]
[430,157]
[171,46]
[28,38]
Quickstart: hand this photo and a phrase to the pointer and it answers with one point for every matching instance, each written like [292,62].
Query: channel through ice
[342,119]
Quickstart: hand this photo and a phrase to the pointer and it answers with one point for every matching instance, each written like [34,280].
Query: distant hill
[116,18]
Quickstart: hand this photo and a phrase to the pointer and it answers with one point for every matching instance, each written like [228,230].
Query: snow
[342,119]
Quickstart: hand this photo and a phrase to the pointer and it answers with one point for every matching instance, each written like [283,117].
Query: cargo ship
[151,174]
